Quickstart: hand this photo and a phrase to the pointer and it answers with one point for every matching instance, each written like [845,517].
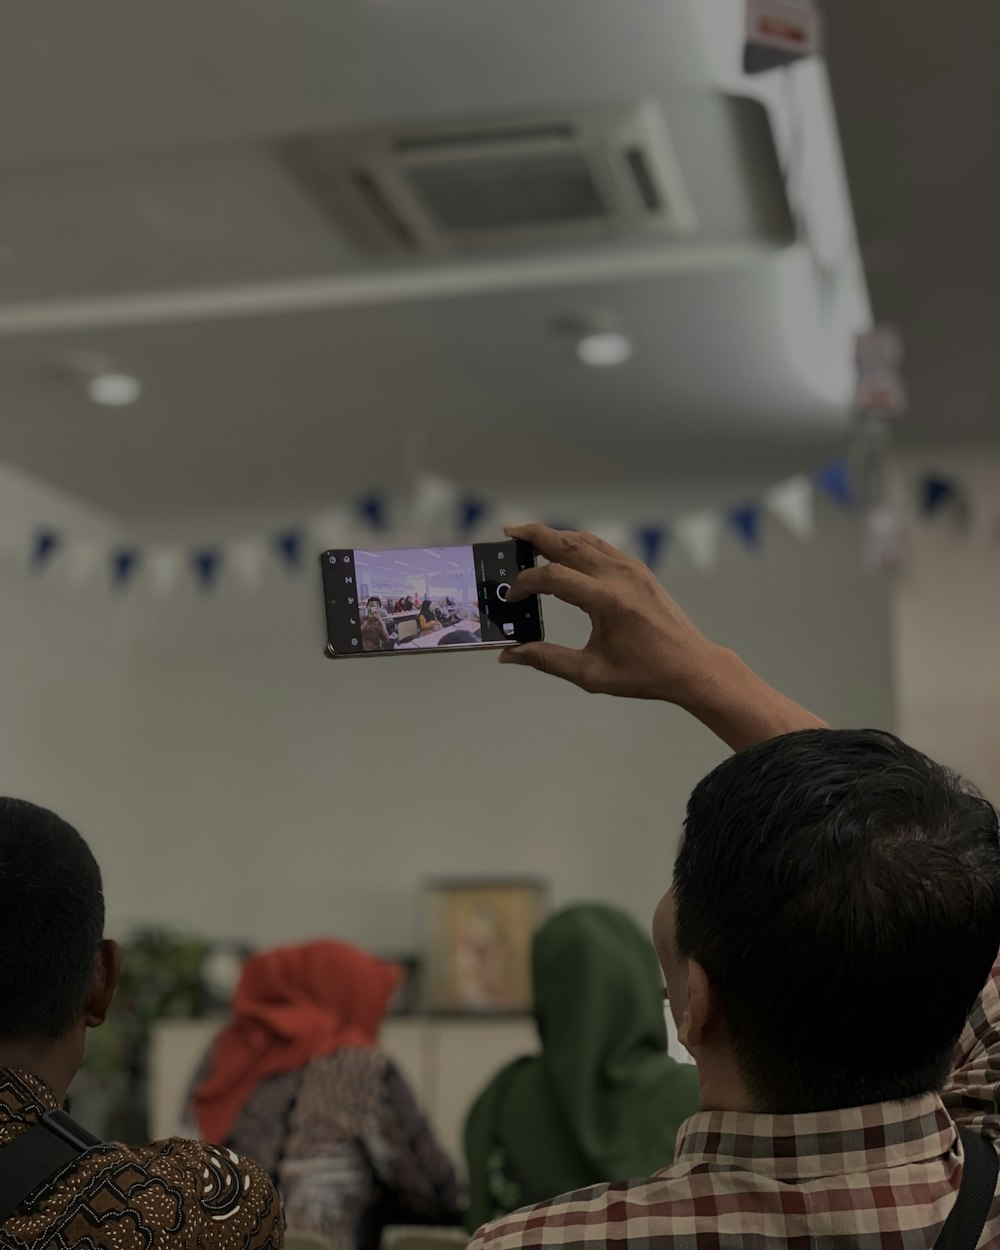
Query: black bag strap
[37,1155]
[967,1218]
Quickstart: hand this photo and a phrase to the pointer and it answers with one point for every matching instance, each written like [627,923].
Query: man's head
[56,974]
[459,638]
[835,913]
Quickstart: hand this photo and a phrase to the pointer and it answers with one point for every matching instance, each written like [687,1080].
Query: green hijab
[604,1100]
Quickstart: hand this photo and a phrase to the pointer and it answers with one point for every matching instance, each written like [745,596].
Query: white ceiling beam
[424,282]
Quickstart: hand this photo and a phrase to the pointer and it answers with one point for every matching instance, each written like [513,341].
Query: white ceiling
[144,216]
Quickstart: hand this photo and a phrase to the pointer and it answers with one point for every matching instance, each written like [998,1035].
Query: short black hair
[842,892]
[459,638]
[51,922]
[375,599]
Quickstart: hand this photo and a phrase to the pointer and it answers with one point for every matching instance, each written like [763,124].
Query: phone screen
[417,598]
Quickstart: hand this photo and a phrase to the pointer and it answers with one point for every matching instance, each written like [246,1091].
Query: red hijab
[291,1006]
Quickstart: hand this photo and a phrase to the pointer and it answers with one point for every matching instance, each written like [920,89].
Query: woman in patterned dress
[296,1082]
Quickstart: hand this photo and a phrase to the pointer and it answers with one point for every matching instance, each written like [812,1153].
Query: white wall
[279,793]
[63,697]
[234,781]
[947,621]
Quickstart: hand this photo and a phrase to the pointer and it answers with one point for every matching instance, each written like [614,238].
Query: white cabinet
[464,1055]
[447,1061]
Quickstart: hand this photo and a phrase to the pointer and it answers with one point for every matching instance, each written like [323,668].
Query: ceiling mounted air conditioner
[580,175]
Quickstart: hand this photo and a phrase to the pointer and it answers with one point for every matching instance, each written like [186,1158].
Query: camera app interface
[414,598]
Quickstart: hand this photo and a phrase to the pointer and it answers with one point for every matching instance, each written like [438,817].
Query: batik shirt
[880,1177]
[172,1195]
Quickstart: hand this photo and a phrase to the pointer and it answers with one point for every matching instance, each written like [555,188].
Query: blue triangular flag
[745,520]
[289,547]
[651,539]
[124,563]
[837,480]
[44,546]
[935,492]
[372,508]
[470,512]
[206,564]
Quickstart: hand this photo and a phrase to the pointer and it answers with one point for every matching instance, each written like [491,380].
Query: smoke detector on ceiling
[102,382]
[598,338]
[585,174]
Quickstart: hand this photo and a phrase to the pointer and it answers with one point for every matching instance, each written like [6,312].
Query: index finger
[581,551]
[556,579]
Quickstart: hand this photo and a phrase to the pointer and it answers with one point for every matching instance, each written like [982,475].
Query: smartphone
[418,599]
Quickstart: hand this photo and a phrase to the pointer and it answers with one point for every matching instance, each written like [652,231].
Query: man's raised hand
[641,644]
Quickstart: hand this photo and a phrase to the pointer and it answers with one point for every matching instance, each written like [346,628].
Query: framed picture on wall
[477,944]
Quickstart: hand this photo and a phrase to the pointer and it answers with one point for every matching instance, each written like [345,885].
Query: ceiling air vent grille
[589,174]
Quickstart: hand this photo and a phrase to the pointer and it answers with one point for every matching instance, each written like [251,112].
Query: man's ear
[108,960]
[700,1008]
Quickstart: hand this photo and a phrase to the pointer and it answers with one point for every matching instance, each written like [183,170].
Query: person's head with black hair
[459,638]
[834,915]
[58,974]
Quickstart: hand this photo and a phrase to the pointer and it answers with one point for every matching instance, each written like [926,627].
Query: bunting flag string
[372,509]
[164,566]
[939,494]
[289,547]
[837,481]
[206,564]
[83,561]
[699,535]
[792,504]
[651,542]
[46,544]
[696,535]
[617,533]
[745,520]
[247,559]
[471,511]
[124,562]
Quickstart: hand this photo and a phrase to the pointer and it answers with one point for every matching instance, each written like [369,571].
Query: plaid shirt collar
[822,1143]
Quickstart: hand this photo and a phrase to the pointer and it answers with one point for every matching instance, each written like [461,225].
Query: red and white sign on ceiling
[781,31]
[880,390]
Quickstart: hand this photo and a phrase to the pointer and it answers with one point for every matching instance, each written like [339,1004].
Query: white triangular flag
[336,527]
[490,526]
[618,533]
[247,558]
[699,533]
[430,514]
[505,514]
[164,567]
[82,561]
[792,503]
[432,506]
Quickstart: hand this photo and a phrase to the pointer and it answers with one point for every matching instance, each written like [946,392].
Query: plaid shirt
[881,1177]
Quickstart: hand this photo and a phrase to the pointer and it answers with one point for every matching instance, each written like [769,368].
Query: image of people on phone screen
[378,629]
[418,598]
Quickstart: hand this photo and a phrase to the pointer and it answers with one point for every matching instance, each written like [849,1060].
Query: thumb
[548,657]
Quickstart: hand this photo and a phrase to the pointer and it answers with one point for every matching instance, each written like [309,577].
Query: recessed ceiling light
[604,349]
[113,390]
